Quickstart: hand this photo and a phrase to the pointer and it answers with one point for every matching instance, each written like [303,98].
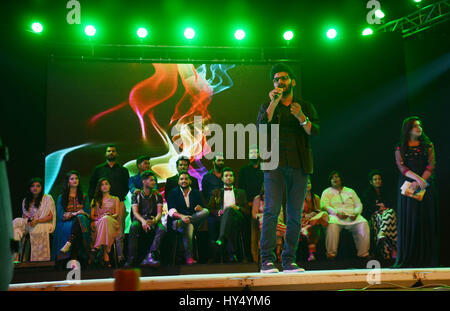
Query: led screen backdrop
[137,106]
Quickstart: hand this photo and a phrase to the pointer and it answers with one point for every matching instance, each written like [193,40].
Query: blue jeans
[296,183]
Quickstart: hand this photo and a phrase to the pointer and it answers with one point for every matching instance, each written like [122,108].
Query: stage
[239,277]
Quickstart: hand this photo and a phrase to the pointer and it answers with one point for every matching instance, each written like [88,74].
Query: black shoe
[292,268]
[129,265]
[269,267]
[150,261]
[232,258]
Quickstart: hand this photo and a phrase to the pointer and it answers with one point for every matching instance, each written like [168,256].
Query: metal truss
[423,19]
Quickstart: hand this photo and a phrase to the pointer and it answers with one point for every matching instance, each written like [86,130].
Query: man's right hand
[275,94]
[144,225]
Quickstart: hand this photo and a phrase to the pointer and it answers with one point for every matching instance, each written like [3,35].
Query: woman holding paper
[418,234]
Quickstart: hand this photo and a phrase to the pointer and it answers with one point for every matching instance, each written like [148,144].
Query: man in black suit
[228,206]
[186,212]
[172,182]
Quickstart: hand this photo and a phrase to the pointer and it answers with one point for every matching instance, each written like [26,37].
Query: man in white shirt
[344,208]
[186,212]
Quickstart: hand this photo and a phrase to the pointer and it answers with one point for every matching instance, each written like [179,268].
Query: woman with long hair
[105,227]
[73,213]
[418,234]
[38,220]
[378,210]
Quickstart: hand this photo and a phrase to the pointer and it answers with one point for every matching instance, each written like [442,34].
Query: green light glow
[90,30]
[37,27]
[142,32]
[331,33]
[288,35]
[239,34]
[367,32]
[189,33]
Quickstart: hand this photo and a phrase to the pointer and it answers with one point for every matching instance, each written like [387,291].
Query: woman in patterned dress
[378,209]
[73,213]
[38,220]
[312,220]
[104,212]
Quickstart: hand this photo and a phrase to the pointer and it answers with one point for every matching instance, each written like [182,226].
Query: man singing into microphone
[297,120]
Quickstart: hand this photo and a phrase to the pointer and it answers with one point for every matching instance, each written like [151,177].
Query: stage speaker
[7,244]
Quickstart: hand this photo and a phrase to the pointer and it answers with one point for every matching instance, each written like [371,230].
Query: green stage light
[90,30]
[37,27]
[189,33]
[239,34]
[367,32]
[417,1]
[142,32]
[331,33]
[288,35]
[379,14]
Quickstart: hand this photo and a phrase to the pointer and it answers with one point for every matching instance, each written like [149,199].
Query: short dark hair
[146,175]
[373,173]
[112,146]
[142,159]
[183,158]
[227,169]
[218,154]
[335,172]
[281,67]
[184,173]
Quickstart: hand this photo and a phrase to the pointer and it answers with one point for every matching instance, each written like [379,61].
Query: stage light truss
[174,54]
[423,19]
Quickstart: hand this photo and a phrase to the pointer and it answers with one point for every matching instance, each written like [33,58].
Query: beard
[111,158]
[288,90]
[218,167]
[255,161]
[184,186]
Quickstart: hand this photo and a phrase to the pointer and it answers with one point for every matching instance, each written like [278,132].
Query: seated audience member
[312,220]
[213,179]
[228,205]
[38,220]
[344,209]
[72,234]
[135,182]
[257,216]
[382,218]
[186,212]
[147,208]
[105,227]
[251,179]
[172,182]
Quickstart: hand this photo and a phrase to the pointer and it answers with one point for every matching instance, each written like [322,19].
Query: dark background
[362,87]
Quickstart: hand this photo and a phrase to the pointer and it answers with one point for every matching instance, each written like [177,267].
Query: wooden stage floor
[238,277]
